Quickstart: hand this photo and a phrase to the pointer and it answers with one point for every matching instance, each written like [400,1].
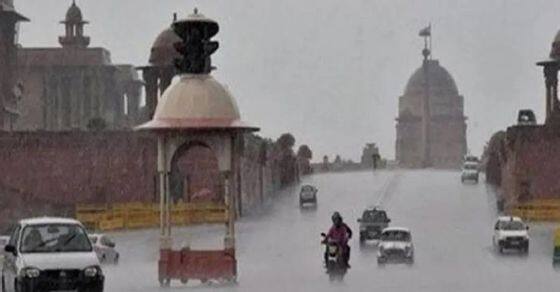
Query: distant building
[10,90]
[370,155]
[74,86]
[431,128]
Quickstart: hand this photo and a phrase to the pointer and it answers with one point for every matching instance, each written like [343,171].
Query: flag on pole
[426,31]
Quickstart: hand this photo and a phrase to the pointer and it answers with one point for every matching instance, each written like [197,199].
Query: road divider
[137,215]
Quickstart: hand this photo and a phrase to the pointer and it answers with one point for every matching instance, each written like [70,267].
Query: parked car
[511,233]
[556,253]
[470,172]
[50,254]
[308,196]
[395,245]
[372,222]
[104,247]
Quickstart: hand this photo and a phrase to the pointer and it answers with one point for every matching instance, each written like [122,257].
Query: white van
[50,254]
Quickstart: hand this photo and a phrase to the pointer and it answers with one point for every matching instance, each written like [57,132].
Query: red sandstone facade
[68,87]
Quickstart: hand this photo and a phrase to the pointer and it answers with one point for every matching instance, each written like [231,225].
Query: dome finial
[426,33]
[195,10]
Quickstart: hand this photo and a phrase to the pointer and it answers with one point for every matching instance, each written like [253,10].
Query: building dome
[555,50]
[163,52]
[440,81]
[444,95]
[195,102]
[74,14]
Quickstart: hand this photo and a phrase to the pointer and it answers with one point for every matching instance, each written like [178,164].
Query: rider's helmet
[336,219]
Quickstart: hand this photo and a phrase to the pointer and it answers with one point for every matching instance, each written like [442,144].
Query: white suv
[511,233]
[46,254]
[470,171]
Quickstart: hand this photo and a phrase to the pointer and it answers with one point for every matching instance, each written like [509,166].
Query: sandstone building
[10,92]
[431,128]
[74,86]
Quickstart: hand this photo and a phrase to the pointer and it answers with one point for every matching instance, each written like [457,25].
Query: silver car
[104,248]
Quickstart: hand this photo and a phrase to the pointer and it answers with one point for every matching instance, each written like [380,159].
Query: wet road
[279,250]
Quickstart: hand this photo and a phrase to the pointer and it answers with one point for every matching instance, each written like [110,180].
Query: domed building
[160,70]
[431,128]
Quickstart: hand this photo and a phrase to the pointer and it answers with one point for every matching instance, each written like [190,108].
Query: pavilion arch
[195,174]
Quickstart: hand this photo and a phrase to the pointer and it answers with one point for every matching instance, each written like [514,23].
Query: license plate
[372,233]
[514,242]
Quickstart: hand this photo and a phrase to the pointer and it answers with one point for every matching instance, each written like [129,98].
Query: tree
[304,156]
[286,141]
[286,159]
[305,152]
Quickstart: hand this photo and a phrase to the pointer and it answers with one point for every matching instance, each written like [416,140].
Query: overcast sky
[331,71]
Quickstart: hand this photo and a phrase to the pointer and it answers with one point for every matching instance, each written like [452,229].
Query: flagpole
[431,50]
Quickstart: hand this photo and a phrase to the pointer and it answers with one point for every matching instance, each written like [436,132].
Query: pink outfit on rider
[341,234]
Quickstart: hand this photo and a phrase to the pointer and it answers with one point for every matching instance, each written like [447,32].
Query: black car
[372,223]
[308,195]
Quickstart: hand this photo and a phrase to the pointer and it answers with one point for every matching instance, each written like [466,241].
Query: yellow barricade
[538,210]
[146,215]
[111,224]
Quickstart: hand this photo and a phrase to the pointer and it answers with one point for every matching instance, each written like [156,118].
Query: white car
[395,244]
[511,233]
[50,254]
[470,171]
[104,248]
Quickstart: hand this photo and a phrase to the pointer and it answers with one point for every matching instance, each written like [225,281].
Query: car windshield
[374,216]
[470,166]
[471,159]
[46,238]
[395,235]
[307,188]
[511,225]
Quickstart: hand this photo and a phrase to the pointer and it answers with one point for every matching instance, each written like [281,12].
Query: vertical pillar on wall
[550,70]
[150,77]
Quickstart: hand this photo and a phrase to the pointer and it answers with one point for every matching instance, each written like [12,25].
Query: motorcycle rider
[340,233]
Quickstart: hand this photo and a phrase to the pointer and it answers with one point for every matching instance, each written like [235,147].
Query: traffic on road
[440,238]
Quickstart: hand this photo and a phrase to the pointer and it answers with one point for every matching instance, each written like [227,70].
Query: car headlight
[30,272]
[92,271]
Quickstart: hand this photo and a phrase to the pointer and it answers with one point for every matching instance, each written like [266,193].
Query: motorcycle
[335,264]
